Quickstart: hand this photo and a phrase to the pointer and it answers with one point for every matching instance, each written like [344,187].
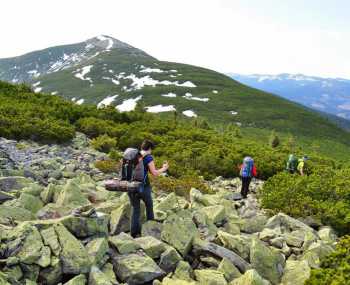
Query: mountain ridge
[126,77]
[327,95]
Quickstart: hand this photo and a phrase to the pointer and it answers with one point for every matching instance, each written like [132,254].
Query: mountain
[322,94]
[105,71]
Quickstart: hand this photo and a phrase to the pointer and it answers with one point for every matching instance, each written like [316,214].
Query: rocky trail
[58,225]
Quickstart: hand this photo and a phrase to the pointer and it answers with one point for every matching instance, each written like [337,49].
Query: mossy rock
[124,243]
[151,246]
[179,231]
[74,257]
[97,249]
[250,277]
[136,269]
[210,277]
[267,262]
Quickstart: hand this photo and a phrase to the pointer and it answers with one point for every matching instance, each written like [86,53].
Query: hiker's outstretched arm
[154,171]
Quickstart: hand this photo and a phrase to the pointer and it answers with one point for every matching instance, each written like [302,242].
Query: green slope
[259,111]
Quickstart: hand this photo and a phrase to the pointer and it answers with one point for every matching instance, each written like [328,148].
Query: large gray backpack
[132,173]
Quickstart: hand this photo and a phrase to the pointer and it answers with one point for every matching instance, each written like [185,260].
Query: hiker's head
[305,158]
[147,146]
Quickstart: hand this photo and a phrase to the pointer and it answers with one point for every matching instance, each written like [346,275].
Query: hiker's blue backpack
[247,167]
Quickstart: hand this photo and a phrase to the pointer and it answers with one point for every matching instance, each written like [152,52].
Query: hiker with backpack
[292,164]
[247,172]
[301,165]
[144,192]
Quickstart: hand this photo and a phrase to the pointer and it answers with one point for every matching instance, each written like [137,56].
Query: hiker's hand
[165,166]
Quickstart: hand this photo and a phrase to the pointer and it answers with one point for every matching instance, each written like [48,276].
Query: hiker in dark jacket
[247,171]
[145,192]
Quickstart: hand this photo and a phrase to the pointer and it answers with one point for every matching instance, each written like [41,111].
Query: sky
[241,36]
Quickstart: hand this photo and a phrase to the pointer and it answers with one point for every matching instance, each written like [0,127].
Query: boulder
[13,183]
[269,234]
[49,193]
[25,244]
[210,277]
[124,243]
[151,246]
[53,211]
[108,270]
[15,213]
[29,202]
[183,271]
[316,252]
[74,257]
[168,204]
[71,195]
[238,243]
[120,219]
[169,259]
[4,196]
[97,250]
[152,228]
[136,269]
[97,277]
[254,224]
[50,239]
[268,263]
[294,239]
[78,280]
[229,270]
[251,277]
[215,214]
[296,272]
[179,231]
[170,281]
[83,227]
[327,235]
[287,223]
[51,275]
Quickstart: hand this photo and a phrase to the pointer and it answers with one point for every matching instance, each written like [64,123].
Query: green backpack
[292,163]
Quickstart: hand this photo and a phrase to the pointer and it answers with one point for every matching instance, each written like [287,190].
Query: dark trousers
[245,186]
[145,194]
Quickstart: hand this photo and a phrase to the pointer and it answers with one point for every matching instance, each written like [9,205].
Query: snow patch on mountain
[140,82]
[189,96]
[234,113]
[80,101]
[170,95]
[109,41]
[36,84]
[189,113]
[82,72]
[34,73]
[129,104]
[215,91]
[106,101]
[160,109]
[38,89]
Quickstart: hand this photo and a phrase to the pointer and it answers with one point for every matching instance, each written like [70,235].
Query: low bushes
[324,194]
[335,268]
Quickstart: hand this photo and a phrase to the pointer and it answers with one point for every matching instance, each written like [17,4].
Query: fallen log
[209,247]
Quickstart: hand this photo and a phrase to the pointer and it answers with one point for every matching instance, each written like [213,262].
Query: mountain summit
[107,72]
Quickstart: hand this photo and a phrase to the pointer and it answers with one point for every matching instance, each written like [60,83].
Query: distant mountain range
[322,94]
[107,72]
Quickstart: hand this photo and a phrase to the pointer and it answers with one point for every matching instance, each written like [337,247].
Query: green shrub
[324,194]
[180,186]
[108,166]
[335,268]
[104,143]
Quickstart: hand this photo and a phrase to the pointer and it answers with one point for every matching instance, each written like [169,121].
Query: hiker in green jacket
[292,164]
